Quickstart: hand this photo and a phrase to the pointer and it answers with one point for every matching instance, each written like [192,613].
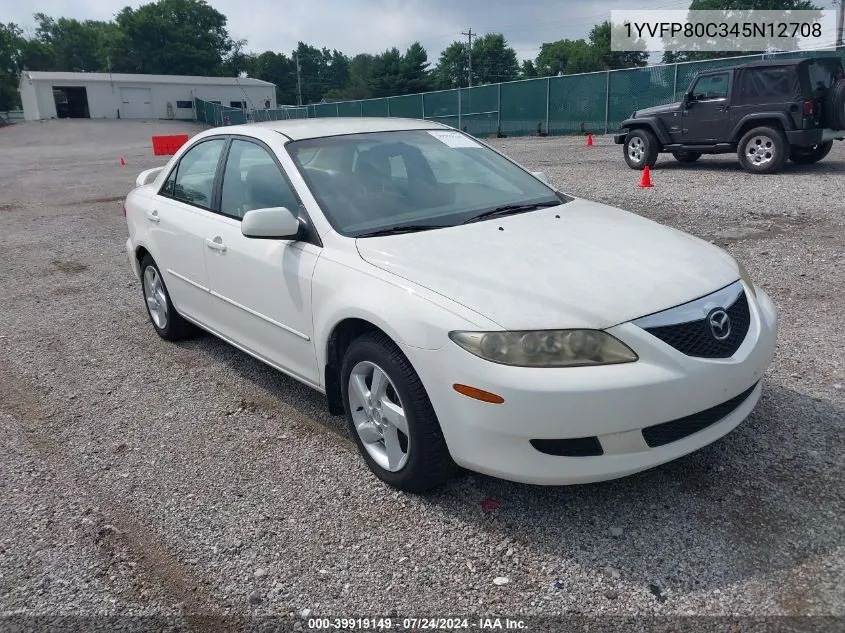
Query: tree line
[189,37]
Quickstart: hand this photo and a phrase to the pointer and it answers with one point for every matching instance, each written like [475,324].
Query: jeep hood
[594,266]
[657,110]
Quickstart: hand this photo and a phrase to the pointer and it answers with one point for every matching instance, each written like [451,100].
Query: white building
[50,95]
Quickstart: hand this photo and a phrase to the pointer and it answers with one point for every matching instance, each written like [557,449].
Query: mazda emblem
[720,324]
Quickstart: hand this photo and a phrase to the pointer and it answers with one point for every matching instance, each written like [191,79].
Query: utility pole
[469,35]
[840,33]
[298,81]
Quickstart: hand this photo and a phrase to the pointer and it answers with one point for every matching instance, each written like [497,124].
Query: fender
[655,124]
[408,314]
[785,121]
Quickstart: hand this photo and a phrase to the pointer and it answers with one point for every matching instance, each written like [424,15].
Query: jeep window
[711,87]
[822,75]
[766,85]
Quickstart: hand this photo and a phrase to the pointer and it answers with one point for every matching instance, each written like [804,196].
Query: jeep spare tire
[834,106]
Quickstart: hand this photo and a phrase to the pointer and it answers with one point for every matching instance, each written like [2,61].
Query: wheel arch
[776,120]
[338,341]
[653,125]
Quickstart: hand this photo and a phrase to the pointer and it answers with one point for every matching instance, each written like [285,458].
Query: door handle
[216,244]
[152,216]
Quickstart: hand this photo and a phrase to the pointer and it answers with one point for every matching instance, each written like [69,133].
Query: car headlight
[746,278]
[546,348]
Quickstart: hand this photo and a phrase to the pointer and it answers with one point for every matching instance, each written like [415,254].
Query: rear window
[765,85]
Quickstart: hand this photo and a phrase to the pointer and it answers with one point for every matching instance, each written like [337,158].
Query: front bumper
[611,403]
[619,137]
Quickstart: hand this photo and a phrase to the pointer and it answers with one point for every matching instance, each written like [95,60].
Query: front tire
[683,156]
[391,418]
[763,150]
[810,155]
[641,148]
[168,323]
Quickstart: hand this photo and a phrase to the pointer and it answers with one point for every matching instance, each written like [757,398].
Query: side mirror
[274,223]
[541,175]
[688,100]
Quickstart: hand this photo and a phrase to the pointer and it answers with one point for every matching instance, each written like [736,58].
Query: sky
[372,26]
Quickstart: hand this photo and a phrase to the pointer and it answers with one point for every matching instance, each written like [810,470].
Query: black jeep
[766,112]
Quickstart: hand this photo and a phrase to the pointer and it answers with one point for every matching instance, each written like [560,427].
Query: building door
[71,102]
[136,103]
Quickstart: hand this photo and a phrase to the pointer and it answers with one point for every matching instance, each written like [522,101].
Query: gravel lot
[140,477]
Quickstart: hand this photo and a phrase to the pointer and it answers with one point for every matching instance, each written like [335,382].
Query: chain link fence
[570,104]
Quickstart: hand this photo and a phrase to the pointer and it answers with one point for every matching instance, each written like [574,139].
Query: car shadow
[716,163]
[768,497]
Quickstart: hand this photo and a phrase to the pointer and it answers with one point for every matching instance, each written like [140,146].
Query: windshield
[431,178]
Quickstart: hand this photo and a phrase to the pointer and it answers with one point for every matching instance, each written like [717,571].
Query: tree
[321,71]
[567,57]
[452,67]
[600,40]
[493,60]
[360,71]
[528,71]
[172,37]
[387,74]
[415,67]
[279,69]
[76,46]
[11,54]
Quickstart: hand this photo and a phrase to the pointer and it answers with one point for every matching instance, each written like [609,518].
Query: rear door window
[192,181]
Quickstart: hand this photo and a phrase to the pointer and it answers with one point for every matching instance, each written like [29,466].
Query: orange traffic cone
[589,140]
[646,179]
[122,160]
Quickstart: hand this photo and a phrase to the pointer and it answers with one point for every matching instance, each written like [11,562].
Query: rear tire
[834,106]
[810,155]
[641,148]
[406,451]
[684,156]
[763,150]
[168,323]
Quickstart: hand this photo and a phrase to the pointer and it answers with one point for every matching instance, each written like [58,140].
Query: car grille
[695,338]
[669,432]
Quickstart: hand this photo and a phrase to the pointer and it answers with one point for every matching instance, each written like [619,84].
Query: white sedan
[455,307]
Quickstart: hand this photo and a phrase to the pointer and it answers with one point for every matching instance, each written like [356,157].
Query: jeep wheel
[683,156]
[763,150]
[810,155]
[641,149]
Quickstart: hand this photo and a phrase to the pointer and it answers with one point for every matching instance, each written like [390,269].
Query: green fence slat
[638,88]
[524,107]
[406,106]
[577,103]
[374,107]
[348,108]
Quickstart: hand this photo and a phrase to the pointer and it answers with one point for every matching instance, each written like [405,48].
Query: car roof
[298,129]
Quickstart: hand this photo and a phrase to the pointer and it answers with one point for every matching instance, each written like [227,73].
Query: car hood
[581,264]
[657,110]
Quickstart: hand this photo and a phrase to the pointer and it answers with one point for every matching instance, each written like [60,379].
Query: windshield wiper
[402,228]
[509,209]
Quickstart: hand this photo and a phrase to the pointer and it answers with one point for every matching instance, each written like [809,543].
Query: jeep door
[707,117]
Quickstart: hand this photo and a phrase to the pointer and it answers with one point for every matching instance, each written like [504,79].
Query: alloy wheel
[156,299]
[378,416]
